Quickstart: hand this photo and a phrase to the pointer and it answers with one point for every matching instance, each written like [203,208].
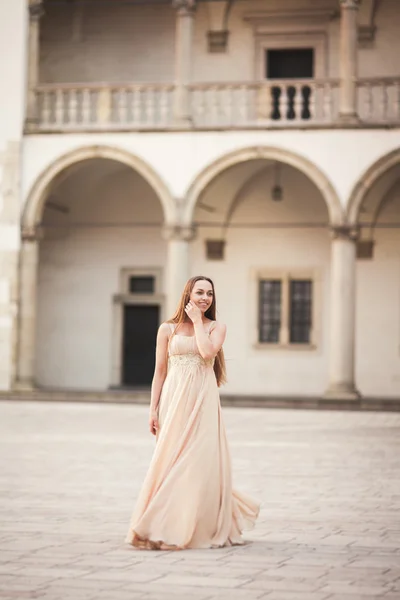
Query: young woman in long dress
[187,500]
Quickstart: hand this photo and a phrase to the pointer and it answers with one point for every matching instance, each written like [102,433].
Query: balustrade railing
[379,101]
[96,107]
[279,103]
[269,104]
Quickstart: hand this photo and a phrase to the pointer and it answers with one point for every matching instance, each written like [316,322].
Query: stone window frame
[285,276]
[296,28]
[291,40]
[124,298]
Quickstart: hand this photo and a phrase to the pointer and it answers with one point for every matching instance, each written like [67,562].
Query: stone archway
[366,181]
[37,196]
[335,210]
[31,232]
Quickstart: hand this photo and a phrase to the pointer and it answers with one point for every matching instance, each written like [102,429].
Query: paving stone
[329,527]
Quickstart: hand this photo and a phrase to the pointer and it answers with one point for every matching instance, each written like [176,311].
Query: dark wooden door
[139,344]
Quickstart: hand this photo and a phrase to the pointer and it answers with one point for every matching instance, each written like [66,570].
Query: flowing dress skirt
[187,500]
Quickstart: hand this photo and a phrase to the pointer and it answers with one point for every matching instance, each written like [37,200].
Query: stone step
[126,396]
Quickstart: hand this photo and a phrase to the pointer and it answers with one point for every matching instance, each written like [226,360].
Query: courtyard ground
[329,528]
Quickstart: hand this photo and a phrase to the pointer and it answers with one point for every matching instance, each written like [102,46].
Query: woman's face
[202,295]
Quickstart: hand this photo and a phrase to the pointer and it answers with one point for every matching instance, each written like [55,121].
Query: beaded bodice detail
[189,359]
[183,352]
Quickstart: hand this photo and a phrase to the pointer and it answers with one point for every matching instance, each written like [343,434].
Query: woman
[187,499]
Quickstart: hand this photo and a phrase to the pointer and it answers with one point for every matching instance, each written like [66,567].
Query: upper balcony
[218,64]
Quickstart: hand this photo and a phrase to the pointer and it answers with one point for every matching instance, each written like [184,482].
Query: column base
[24,385]
[349,119]
[342,391]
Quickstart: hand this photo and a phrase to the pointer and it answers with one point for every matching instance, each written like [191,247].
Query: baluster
[59,108]
[214,106]
[327,102]
[385,101]
[368,101]
[202,108]
[313,101]
[298,101]
[164,105]
[72,99]
[137,106]
[123,105]
[150,107]
[229,105]
[244,103]
[396,100]
[104,106]
[86,106]
[283,103]
[45,117]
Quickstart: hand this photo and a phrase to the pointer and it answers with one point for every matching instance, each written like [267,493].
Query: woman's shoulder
[167,327]
[217,325]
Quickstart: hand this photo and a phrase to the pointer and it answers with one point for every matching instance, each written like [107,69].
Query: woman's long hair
[180,317]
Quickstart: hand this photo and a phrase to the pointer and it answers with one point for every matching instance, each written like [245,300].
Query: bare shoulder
[218,326]
[164,329]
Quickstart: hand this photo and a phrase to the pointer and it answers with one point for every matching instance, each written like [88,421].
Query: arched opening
[100,268]
[375,208]
[244,155]
[269,220]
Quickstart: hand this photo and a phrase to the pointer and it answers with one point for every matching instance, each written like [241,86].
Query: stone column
[348,61]
[179,239]
[183,60]
[27,310]
[35,13]
[342,310]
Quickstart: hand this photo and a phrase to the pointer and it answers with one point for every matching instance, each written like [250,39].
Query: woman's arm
[209,344]
[160,373]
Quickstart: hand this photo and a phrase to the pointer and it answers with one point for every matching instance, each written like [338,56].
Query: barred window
[141,284]
[285,310]
[300,311]
[270,310]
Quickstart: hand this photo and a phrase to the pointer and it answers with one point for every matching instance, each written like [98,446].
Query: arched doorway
[94,223]
[263,218]
[374,207]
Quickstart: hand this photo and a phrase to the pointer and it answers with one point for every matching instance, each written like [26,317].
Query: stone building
[254,141]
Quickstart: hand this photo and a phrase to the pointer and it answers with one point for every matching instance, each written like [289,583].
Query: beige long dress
[187,500]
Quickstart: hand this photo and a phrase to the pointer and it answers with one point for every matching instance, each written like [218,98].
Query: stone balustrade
[273,103]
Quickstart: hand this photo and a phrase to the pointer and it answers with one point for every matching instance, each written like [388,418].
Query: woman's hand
[193,312]
[153,422]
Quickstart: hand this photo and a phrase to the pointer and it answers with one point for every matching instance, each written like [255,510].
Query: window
[270,310]
[285,310]
[141,285]
[300,311]
[290,63]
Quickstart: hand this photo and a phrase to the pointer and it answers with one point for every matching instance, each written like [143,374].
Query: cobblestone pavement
[329,528]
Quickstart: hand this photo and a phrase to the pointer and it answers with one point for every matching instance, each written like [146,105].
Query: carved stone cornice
[345,232]
[185,7]
[350,4]
[181,233]
[36,10]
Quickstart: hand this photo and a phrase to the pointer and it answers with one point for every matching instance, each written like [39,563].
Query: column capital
[345,232]
[36,10]
[350,4]
[31,234]
[183,233]
[185,7]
